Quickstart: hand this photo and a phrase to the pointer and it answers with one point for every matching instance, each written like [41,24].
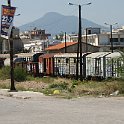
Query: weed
[5,73]
[60,86]
[4,86]
[47,91]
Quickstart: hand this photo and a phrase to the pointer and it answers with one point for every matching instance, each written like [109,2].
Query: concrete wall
[17,45]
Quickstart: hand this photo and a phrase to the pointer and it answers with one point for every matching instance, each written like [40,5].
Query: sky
[100,11]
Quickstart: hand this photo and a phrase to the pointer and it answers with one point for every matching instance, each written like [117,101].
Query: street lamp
[79,41]
[18,14]
[111,40]
[79,4]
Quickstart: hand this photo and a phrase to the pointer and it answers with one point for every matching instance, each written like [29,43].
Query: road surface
[40,109]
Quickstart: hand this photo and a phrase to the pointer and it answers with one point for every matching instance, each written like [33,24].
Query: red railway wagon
[46,64]
[31,68]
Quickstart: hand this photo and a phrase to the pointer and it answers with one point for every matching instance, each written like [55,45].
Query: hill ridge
[55,23]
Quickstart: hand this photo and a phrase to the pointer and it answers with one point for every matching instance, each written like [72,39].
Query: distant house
[38,34]
[35,40]
[71,47]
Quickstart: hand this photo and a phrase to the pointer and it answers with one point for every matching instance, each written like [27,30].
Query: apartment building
[102,39]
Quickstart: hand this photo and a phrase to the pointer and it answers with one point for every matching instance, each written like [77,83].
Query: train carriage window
[74,60]
[67,60]
[59,61]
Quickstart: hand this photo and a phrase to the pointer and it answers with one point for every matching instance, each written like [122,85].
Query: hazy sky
[99,11]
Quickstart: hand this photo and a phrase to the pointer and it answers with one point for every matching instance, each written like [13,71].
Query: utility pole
[80,42]
[77,69]
[111,41]
[86,41]
[9,2]
[12,88]
[65,44]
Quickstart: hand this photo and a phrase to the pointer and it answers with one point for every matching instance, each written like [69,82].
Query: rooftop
[60,46]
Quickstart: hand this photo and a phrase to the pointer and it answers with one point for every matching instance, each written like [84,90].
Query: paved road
[39,109]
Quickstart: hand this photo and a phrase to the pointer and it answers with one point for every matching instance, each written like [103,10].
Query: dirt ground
[24,85]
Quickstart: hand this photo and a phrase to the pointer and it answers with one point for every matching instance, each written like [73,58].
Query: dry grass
[68,88]
[27,85]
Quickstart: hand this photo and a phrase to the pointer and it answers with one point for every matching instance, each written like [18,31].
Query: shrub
[5,73]
[20,74]
[60,86]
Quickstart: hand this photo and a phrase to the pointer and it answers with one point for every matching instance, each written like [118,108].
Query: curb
[20,94]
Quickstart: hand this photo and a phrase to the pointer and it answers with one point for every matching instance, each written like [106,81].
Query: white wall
[104,39]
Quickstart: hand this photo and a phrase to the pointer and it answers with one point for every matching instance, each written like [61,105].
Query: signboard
[7,16]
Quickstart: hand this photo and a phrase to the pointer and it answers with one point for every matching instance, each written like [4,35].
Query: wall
[104,39]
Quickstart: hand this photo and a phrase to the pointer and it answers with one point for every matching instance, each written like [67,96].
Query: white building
[36,46]
[103,39]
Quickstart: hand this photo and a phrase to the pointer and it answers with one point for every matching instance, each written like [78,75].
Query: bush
[5,73]
[20,74]
[60,86]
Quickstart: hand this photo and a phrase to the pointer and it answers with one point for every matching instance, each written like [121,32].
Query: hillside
[55,23]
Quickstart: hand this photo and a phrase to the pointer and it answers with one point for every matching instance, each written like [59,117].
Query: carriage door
[97,66]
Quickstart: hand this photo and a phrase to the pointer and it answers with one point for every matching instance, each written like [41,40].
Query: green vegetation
[71,88]
[19,73]
[5,73]
[61,87]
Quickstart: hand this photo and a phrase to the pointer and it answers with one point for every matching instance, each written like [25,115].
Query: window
[75,60]
[114,39]
[58,60]
[89,32]
[67,60]
[121,39]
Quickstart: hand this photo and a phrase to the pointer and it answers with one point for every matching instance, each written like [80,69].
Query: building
[96,38]
[71,47]
[17,43]
[35,40]
[38,34]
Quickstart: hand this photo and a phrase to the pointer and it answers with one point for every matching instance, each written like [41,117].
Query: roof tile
[60,46]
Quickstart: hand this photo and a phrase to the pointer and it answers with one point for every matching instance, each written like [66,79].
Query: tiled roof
[47,55]
[60,46]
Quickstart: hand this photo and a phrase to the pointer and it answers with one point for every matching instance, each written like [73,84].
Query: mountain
[55,23]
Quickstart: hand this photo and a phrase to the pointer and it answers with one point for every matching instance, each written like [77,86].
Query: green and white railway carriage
[95,64]
[114,62]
